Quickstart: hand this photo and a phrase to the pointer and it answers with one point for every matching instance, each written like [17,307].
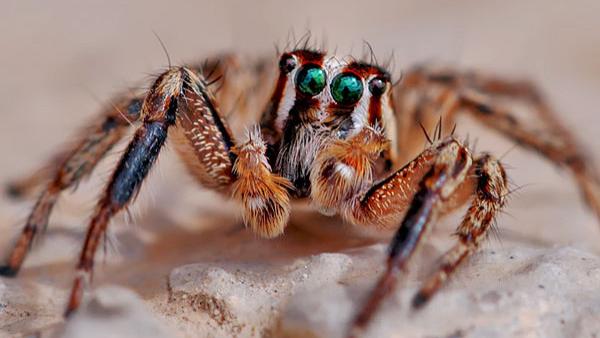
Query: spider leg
[27,186]
[67,169]
[158,115]
[490,196]
[446,174]
[180,104]
[172,92]
[526,92]
[556,143]
[426,188]
[428,94]
[437,181]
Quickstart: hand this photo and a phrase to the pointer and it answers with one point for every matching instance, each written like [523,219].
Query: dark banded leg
[75,164]
[447,173]
[132,169]
[552,141]
[489,198]
[478,95]
[178,101]
[524,91]
[28,186]
[529,94]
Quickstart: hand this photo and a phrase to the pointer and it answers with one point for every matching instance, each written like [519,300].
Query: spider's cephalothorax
[331,131]
[319,99]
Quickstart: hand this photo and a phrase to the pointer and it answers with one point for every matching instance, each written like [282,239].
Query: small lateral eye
[311,79]
[287,63]
[346,88]
[377,86]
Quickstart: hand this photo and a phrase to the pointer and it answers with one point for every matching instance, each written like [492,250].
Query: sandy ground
[60,60]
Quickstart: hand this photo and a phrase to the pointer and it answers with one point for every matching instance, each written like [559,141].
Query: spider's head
[343,95]
[318,98]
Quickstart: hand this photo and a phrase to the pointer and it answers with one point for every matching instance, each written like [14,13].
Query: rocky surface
[505,292]
[238,299]
[501,293]
[28,307]
[114,312]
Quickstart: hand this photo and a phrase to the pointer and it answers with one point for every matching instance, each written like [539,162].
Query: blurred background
[60,60]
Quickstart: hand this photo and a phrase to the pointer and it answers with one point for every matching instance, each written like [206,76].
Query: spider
[335,131]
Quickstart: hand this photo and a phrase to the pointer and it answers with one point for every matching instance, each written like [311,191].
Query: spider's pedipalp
[345,168]
[263,194]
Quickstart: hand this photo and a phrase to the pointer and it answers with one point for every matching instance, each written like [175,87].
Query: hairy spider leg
[169,95]
[490,197]
[555,145]
[28,186]
[75,164]
[180,103]
[450,169]
[477,95]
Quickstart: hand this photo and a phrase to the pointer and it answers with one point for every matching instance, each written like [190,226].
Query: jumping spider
[336,131]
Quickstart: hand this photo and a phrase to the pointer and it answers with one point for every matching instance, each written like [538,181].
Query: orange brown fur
[264,196]
[344,169]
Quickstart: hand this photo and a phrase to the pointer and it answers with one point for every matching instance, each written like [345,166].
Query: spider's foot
[68,313]
[419,300]
[590,191]
[13,191]
[8,271]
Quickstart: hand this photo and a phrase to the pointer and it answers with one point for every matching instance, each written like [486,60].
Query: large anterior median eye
[346,88]
[311,79]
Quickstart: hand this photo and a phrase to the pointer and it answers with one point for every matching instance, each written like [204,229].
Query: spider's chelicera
[335,131]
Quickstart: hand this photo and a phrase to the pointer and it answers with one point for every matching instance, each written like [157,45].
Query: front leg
[440,178]
[159,114]
[342,180]
[179,101]
[180,104]
[447,180]
[446,173]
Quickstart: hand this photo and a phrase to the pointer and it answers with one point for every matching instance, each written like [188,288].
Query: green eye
[346,88]
[311,80]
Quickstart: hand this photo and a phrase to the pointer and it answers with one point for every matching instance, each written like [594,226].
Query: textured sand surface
[185,267]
